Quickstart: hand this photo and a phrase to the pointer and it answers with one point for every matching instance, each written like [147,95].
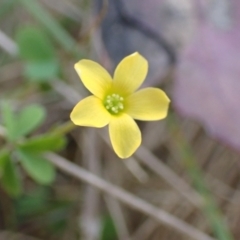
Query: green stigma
[114,103]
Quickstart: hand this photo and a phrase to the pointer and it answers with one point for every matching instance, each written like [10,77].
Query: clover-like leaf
[37,167]
[9,121]
[10,179]
[46,142]
[40,70]
[37,51]
[29,119]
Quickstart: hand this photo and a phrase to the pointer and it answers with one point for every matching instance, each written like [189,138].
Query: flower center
[114,103]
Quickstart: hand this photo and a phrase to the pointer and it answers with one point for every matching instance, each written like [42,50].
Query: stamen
[114,103]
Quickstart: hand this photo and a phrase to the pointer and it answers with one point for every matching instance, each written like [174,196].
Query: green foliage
[62,36]
[30,118]
[36,201]
[44,209]
[108,229]
[41,170]
[10,178]
[34,44]
[35,48]
[42,71]
[29,151]
[27,120]
[9,120]
[46,142]
[4,155]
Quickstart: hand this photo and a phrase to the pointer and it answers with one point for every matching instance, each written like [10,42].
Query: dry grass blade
[7,44]
[157,166]
[90,223]
[127,198]
[145,230]
[118,218]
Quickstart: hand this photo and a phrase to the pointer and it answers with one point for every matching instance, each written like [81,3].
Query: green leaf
[9,120]
[34,44]
[38,52]
[10,179]
[108,229]
[29,119]
[37,167]
[4,156]
[46,142]
[46,19]
[40,71]
[34,202]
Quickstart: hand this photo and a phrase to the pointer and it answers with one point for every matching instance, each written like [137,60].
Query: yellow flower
[115,102]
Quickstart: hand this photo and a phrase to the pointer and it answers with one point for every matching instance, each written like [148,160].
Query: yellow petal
[90,112]
[130,74]
[125,135]
[148,104]
[94,77]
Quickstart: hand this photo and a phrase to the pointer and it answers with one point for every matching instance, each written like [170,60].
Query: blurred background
[187,170]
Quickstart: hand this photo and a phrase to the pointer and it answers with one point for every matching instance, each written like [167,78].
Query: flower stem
[64,128]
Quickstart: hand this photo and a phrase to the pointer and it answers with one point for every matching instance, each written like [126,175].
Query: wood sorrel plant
[116,102]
